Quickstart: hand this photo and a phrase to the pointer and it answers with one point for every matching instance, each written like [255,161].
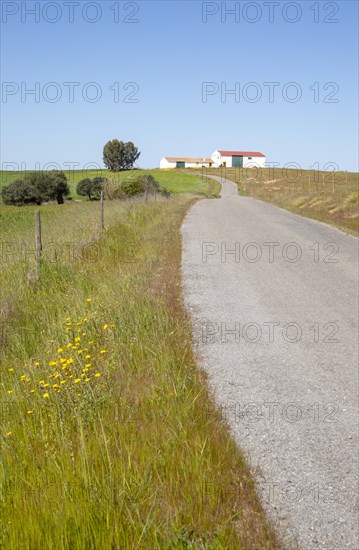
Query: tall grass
[109,437]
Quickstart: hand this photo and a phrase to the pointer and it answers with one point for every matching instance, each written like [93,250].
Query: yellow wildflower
[45,396]
[77,380]
[105,327]
[9,392]
[97,374]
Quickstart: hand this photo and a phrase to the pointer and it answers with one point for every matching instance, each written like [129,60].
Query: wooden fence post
[102,209]
[204,173]
[146,190]
[38,242]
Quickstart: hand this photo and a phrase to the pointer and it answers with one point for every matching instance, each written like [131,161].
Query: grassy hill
[324,196]
[174,181]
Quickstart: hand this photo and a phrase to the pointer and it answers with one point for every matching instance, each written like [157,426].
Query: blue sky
[169,50]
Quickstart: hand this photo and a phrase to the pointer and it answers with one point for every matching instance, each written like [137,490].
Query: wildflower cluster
[75,368]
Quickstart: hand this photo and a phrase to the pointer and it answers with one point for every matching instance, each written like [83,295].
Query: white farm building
[238,159]
[185,162]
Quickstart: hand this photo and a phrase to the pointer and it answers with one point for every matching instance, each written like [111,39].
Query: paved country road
[274,310]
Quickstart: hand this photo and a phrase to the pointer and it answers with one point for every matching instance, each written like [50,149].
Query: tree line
[39,187]
[36,188]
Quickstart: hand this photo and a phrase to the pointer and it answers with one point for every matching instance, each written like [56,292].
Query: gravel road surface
[274,303]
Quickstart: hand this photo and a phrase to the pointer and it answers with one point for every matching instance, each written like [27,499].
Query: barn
[185,162]
[238,159]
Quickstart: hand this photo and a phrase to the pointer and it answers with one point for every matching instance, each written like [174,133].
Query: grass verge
[109,437]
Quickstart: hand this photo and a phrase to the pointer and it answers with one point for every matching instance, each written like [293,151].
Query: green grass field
[109,437]
[328,197]
[174,181]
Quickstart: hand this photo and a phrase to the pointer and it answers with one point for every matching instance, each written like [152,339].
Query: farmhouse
[185,162]
[240,159]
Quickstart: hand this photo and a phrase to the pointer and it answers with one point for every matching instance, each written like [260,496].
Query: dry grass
[331,197]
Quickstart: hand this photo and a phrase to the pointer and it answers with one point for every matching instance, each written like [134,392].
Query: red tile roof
[241,153]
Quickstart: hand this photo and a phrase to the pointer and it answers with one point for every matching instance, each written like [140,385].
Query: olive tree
[118,155]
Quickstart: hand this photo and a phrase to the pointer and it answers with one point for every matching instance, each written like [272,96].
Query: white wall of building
[196,164]
[216,157]
[165,164]
[248,162]
[227,160]
[254,162]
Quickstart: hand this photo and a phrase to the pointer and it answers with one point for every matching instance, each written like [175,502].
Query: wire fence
[258,181]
